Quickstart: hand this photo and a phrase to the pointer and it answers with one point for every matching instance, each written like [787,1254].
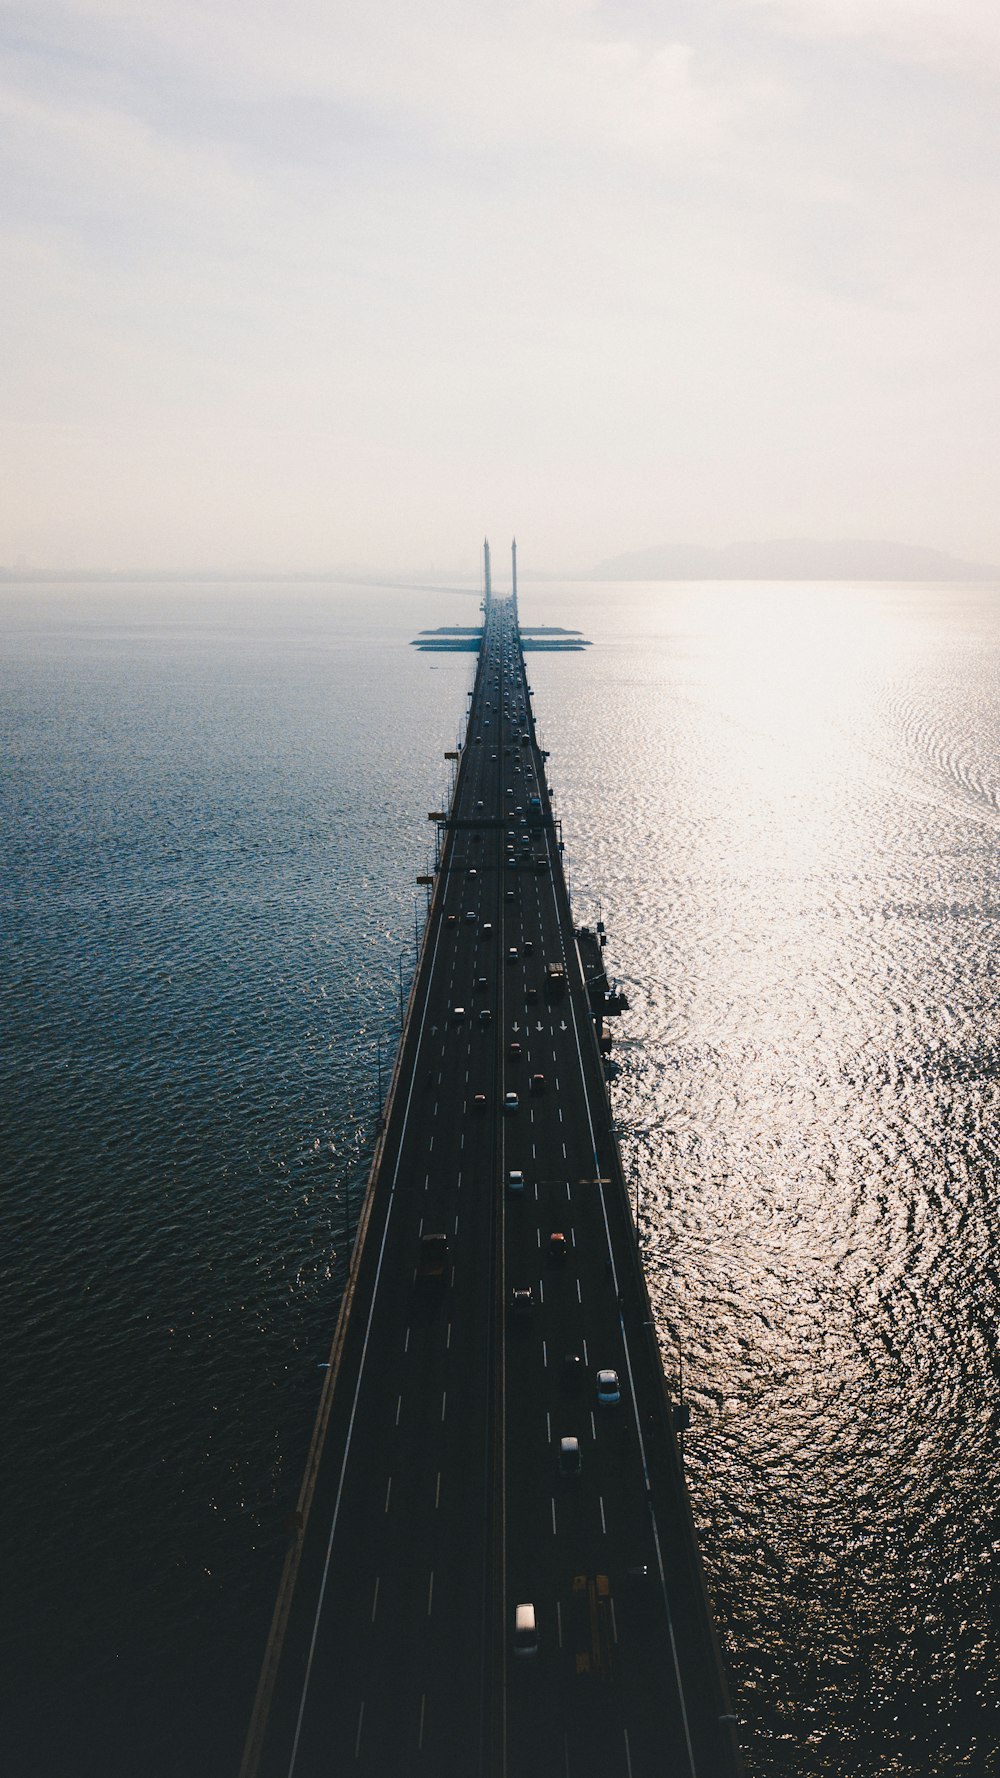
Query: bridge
[495,1431]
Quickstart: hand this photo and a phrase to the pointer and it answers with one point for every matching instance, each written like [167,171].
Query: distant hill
[791,558]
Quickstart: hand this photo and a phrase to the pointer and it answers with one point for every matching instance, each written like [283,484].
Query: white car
[510,1102]
[608,1392]
[515,1179]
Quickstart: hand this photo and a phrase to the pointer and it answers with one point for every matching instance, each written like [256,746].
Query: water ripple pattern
[214,807]
[785,801]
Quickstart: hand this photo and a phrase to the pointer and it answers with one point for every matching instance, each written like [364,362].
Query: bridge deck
[434,1503]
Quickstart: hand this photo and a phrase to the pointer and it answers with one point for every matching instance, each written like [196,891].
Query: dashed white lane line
[437,1493]
[375,1599]
[444,1402]
[604,1524]
[399,1408]
[357,1738]
[388,1491]
[430,1594]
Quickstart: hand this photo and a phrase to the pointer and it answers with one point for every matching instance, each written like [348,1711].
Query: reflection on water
[788,804]
[787,801]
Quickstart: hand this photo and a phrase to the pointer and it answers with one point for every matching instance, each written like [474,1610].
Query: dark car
[514,1050]
[558,1248]
[479,1102]
[538,1083]
[572,1371]
[432,1265]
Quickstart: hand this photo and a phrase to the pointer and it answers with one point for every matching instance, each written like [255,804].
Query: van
[525,1630]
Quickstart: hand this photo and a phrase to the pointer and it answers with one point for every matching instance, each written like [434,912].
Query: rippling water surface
[785,802]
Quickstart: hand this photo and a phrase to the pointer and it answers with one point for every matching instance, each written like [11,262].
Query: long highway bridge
[495,1430]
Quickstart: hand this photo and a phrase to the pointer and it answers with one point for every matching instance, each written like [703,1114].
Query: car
[473,871]
[512,953]
[479,803]
[522,1302]
[537,1083]
[511,1102]
[457,1015]
[481,984]
[608,1391]
[569,1456]
[486,930]
[571,1371]
[479,1103]
[470,916]
[451,919]
[558,1248]
[485,1015]
[531,995]
[512,864]
[509,895]
[525,1630]
[432,1265]
[514,1050]
[515,1180]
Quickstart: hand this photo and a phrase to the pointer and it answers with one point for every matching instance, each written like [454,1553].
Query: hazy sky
[353,281]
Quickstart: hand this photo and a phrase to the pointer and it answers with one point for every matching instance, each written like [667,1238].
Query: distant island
[791,558]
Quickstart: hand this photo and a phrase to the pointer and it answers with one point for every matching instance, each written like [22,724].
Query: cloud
[962,34]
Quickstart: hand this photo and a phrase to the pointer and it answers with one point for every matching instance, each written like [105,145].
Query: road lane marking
[628,1756]
[586,1360]
[548,1426]
[388,1491]
[399,1405]
[541,1290]
[553,1515]
[437,1493]
[375,1599]
[430,1594]
[614,1624]
[578,1296]
[444,1401]
[357,1738]
[406,1342]
[604,1523]
[559,1623]
[563,1147]
[420,1731]
[447,1343]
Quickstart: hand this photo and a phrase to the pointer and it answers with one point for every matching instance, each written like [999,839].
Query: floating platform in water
[452,638]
